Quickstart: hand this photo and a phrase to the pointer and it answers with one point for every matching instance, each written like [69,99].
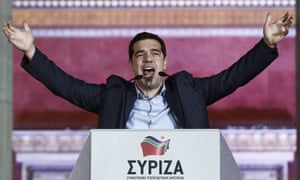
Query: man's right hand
[23,40]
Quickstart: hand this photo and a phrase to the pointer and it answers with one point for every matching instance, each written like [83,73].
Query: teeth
[148,69]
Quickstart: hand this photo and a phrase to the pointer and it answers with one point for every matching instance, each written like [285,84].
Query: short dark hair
[144,36]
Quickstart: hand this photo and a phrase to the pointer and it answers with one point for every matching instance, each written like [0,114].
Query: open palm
[21,39]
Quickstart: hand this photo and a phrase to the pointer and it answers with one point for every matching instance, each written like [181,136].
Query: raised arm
[78,92]
[21,39]
[252,63]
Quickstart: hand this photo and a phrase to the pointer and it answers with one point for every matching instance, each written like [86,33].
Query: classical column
[5,97]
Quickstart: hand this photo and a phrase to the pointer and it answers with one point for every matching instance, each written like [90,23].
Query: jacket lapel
[130,97]
[174,104]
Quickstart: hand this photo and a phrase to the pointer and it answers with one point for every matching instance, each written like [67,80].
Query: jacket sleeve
[238,74]
[78,92]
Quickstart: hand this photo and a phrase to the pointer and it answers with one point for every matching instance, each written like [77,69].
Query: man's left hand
[276,30]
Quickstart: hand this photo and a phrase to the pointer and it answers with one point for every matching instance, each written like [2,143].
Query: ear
[131,65]
[165,63]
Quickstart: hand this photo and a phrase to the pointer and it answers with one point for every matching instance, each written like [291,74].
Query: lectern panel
[155,155]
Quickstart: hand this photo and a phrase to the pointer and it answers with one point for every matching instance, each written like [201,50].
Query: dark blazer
[187,96]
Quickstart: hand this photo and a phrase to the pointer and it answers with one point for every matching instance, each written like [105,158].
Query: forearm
[241,72]
[60,83]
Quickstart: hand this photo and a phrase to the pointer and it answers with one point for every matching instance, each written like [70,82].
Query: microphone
[163,74]
[136,78]
[139,77]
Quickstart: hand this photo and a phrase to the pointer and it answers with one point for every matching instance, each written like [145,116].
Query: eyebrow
[139,51]
[152,50]
[156,50]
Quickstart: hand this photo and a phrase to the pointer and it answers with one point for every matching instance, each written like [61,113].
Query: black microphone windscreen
[163,74]
[138,77]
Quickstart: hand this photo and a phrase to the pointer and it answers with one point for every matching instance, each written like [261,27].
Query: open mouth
[148,72]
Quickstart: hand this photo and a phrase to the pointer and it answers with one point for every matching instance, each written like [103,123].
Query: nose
[148,57]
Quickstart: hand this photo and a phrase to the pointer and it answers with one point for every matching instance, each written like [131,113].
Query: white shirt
[151,113]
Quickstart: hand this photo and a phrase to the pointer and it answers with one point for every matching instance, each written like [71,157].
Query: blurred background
[89,39]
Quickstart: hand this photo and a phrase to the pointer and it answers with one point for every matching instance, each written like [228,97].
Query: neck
[148,90]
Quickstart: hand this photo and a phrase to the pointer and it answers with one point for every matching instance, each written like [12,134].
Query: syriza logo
[153,164]
[153,146]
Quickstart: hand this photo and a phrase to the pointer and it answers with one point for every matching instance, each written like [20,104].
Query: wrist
[269,44]
[30,52]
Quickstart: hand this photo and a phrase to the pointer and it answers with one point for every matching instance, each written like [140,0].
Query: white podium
[200,154]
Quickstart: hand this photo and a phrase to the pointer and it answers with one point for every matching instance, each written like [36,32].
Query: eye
[139,54]
[156,53]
